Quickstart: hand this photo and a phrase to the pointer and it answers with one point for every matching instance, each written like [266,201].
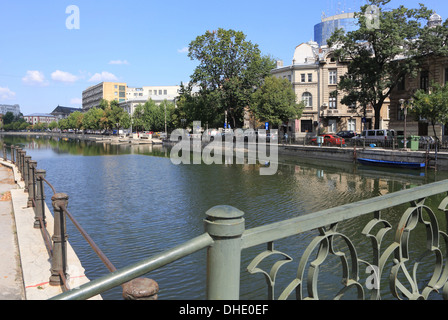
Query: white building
[40,118]
[15,109]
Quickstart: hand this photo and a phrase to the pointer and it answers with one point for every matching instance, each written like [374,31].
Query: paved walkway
[24,263]
[11,280]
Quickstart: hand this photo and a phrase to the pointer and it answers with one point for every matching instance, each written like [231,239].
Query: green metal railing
[226,239]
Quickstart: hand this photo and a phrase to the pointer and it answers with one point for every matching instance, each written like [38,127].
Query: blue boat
[394,164]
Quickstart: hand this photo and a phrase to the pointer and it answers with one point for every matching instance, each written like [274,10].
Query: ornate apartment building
[314,75]
[433,69]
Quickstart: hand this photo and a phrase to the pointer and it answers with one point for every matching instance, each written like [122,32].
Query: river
[135,203]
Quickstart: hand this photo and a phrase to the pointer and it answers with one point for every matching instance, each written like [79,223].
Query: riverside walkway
[25,264]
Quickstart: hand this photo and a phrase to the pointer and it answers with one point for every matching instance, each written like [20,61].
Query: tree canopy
[229,69]
[275,102]
[379,55]
[432,105]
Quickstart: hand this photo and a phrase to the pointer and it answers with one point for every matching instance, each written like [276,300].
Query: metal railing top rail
[135,270]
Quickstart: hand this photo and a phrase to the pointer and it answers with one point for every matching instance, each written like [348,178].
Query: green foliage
[151,116]
[275,102]
[432,106]
[379,57]
[229,69]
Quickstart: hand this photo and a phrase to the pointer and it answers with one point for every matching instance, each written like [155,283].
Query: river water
[135,203]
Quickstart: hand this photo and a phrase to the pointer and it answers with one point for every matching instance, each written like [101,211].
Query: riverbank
[25,267]
[432,160]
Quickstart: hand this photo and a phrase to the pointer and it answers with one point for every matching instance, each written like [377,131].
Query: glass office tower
[324,30]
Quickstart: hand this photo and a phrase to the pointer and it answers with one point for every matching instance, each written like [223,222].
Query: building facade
[63,112]
[434,69]
[15,109]
[39,118]
[314,75]
[110,91]
[328,25]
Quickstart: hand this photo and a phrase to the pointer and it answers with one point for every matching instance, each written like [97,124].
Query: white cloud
[183,50]
[118,62]
[76,101]
[34,77]
[63,76]
[103,76]
[6,94]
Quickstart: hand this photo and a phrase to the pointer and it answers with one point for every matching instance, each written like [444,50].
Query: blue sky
[43,64]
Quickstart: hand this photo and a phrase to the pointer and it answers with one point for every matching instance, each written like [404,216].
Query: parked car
[346,134]
[379,135]
[329,140]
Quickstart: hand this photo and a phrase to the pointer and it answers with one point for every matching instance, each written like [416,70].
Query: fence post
[225,224]
[13,155]
[18,155]
[31,183]
[39,210]
[26,172]
[59,259]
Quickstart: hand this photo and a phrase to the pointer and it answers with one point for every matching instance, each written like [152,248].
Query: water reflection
[135,203]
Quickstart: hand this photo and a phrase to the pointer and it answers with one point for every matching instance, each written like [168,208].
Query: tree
[8,117]
[275,102]
[192,107]
[92,118]
[379,56]
[229,67]
[432,105]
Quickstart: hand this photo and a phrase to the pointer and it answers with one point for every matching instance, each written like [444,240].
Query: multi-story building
[15,109]
[314,75]
[433,69]
[63,112]
[328,25]
[136,96]
[92,96]
[39,118]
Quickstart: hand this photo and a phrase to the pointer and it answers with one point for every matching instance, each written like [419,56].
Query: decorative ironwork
[393,260]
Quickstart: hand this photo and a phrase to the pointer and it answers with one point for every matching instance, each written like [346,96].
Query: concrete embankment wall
[351,154]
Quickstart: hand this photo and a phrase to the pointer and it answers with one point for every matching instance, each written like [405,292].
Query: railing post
[18,155]
[59,259]
[39,210]
[26,172]
[31,183]
[225,224]
[13,154]
[4,152]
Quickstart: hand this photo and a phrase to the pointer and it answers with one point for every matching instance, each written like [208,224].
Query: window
[332,127]
[401,84]
[122,94]
[307,99]
[165,92]
[122,88]
[332,103]
[306,126]
[351,124]
[310,77]
[333,77]
[424,80]
[302,77]
[160,92]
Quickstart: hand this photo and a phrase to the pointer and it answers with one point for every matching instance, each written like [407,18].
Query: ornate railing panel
[391,261]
